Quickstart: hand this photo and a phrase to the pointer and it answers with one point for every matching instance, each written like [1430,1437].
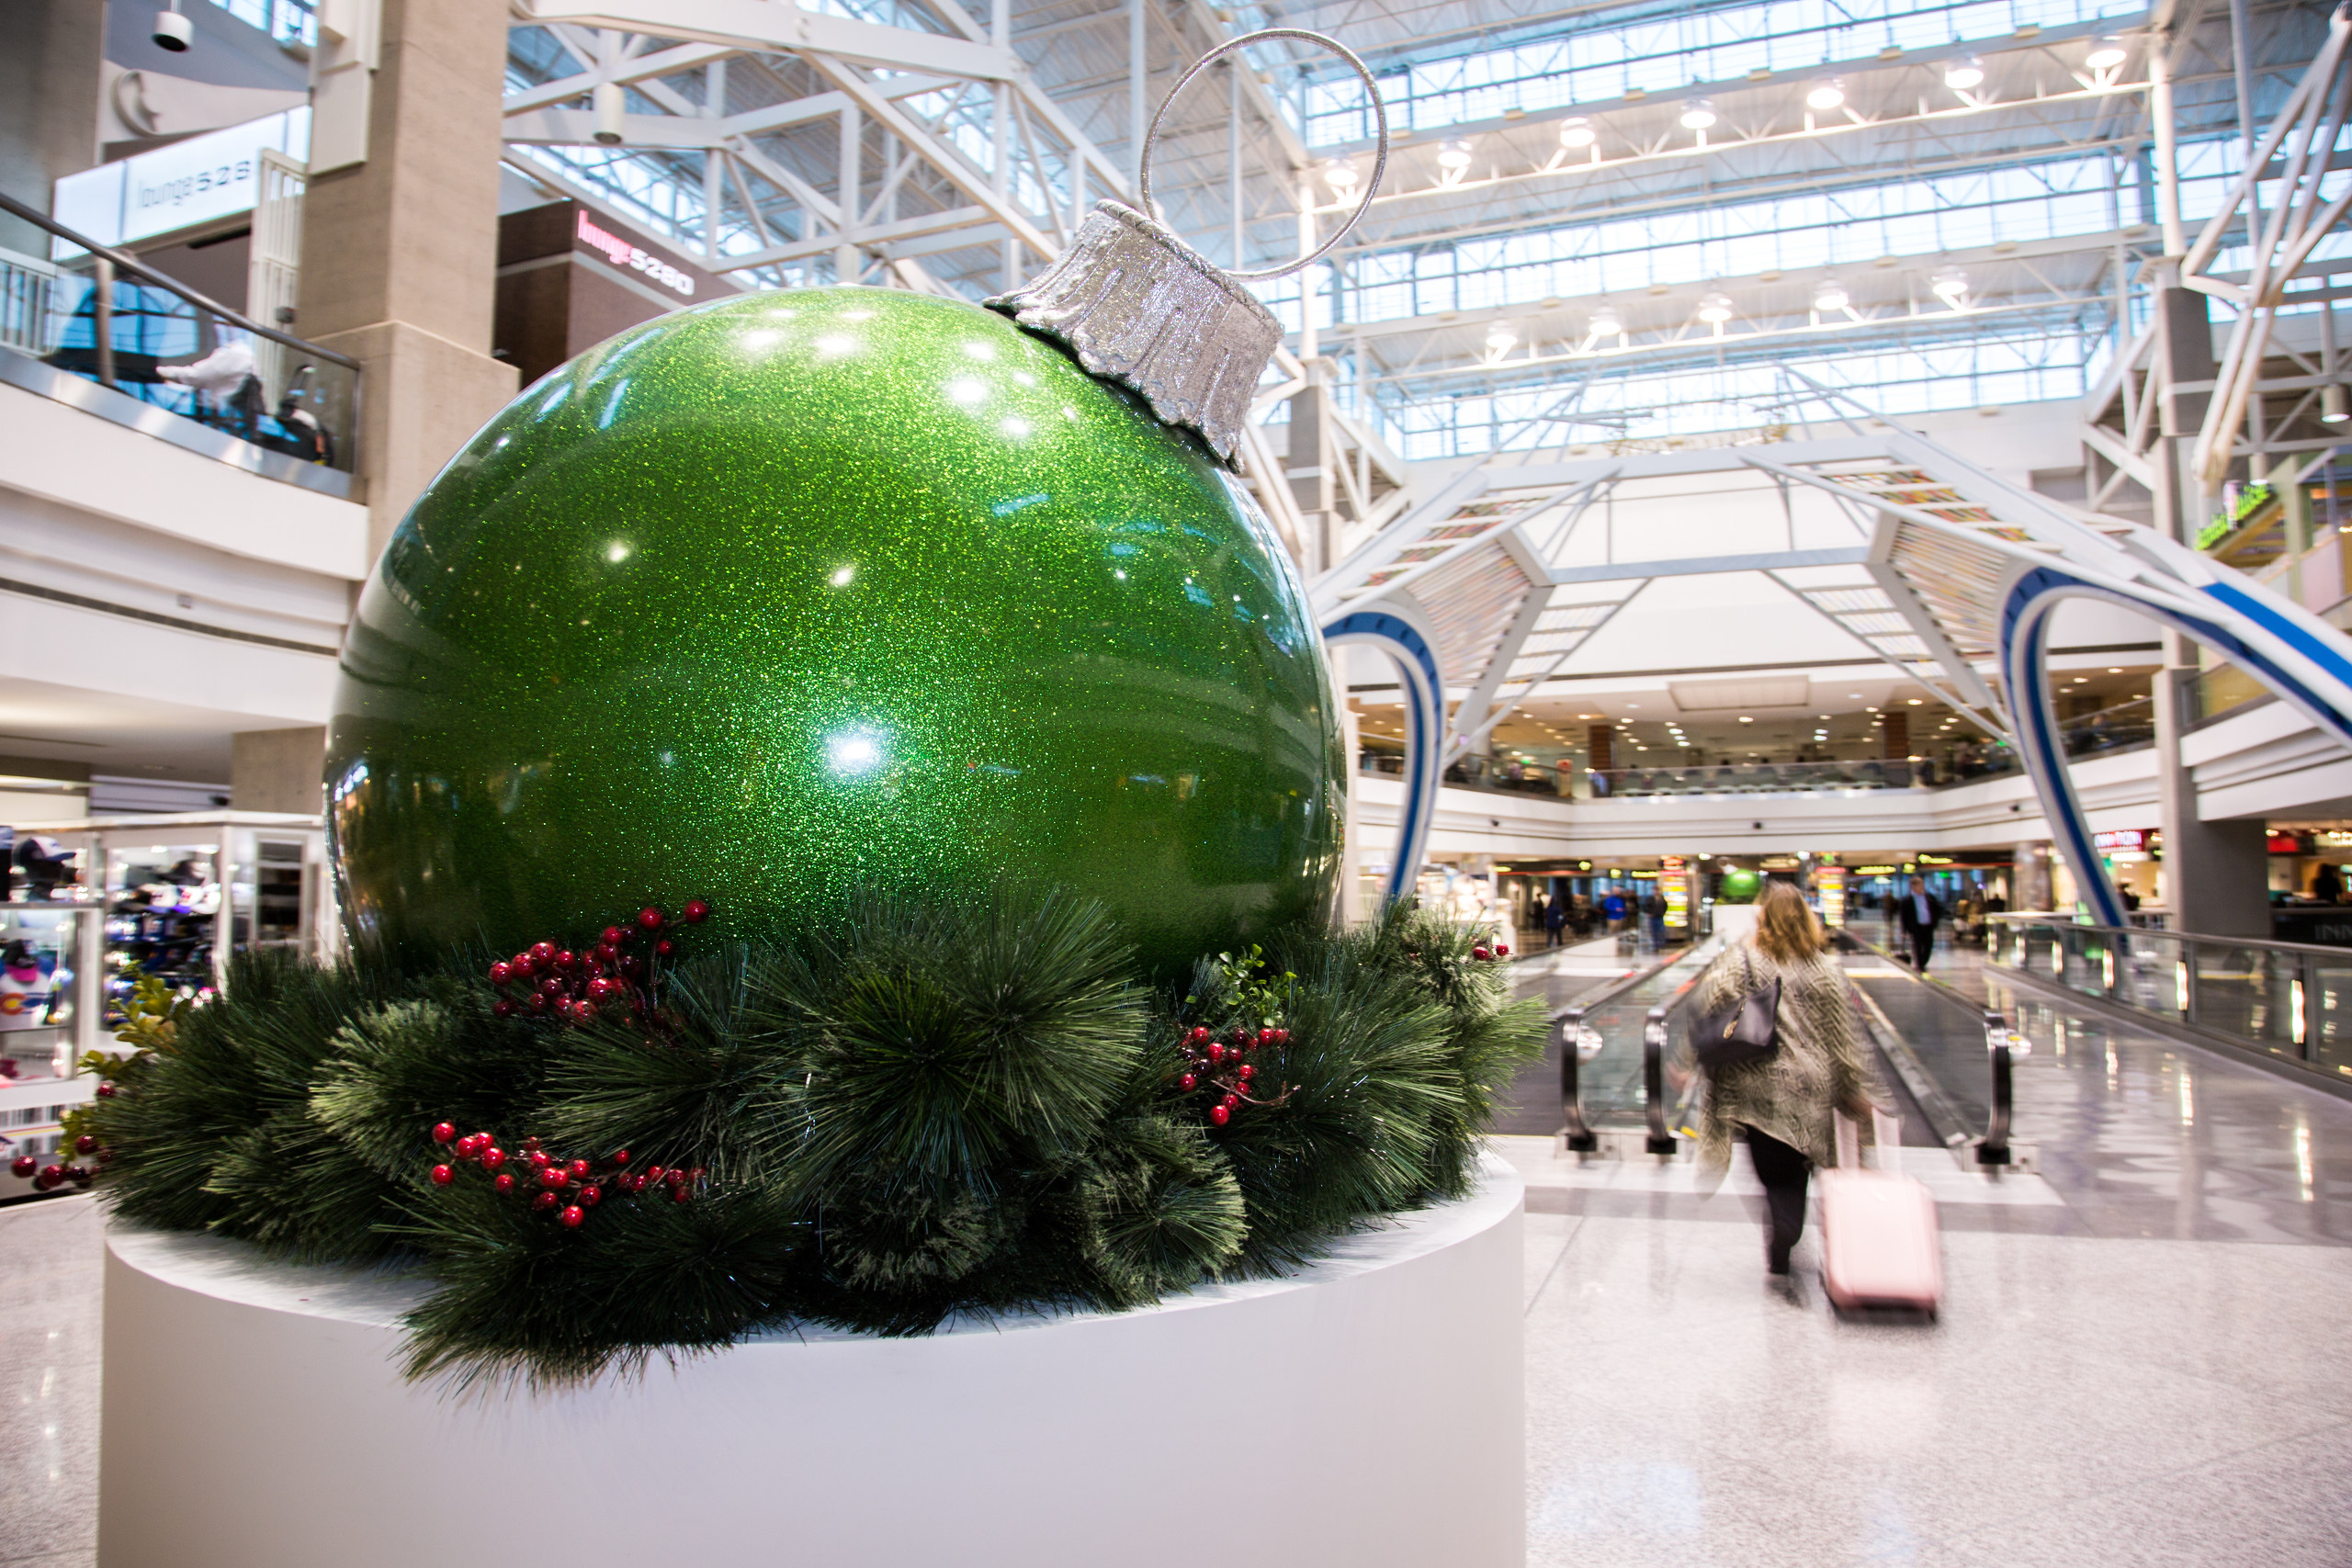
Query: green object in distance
[1739,886]
[801,593]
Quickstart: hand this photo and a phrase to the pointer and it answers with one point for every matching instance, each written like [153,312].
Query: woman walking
[1785,1103]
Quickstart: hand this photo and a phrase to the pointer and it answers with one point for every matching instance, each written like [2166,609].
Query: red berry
[501,1008]
[85,1143]
[620,1157]
[1231,1101]
[501,972]
[578,1168]
[572,1215]
[696,1174]
[542,952]
[567,960]
[654,1173]
[1282,1036]
[1502,950]
[600,989]
[633,967]
[1247,1073]
[545,1201]
[680,1193]
[539,1001]
[1216,1051]
[1219,1116]
[553,1176]
[650,918]
[612,936]
[584,1012]
[106,1092]
[442,1175]
[23,1167]
[538,1157]
[591,1195]
[1480,953]
[51,1176]
[443,1131]
[696,911]
[663,948]
[504,1181]
[105,1156]
[81,1177]
[1189,1082]
[492,1158]
[1200,1034]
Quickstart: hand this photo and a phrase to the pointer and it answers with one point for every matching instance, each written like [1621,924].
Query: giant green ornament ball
[795,594]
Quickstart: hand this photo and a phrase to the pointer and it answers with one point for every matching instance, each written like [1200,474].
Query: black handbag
[1742,1031]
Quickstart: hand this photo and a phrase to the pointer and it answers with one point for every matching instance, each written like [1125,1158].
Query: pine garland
[929,1109]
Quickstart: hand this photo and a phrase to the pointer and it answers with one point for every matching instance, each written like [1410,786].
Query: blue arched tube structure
[2302,660]
[1413,649]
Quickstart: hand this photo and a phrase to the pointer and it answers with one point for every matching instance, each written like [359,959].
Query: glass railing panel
[2150,973]
[2328,979]
[2117,728]
[105,318]
[2233,991]
[2210,693]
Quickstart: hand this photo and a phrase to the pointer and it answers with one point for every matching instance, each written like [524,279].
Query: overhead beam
[771,26]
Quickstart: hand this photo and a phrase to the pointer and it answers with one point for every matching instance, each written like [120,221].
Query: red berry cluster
[48,1177]
[1219,1066]
[1482,952]
[567,1188]
[574,986]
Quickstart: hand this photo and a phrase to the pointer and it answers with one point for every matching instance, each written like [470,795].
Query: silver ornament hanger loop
[1380,154]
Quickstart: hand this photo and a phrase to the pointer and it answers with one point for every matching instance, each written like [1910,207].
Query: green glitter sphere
[797,594]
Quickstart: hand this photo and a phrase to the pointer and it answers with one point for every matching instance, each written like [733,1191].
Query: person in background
[1613,909]
[1537,908]
[1654,916]
[2327,887]
[1554,919]
[1917,913]
[1785,1104]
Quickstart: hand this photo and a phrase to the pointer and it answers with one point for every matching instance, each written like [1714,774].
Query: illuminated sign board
[2122,839]
[1830,882]
[633,258]
[214,176]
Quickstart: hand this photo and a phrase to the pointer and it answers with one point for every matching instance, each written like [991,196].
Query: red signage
[636,258]
[2122,839]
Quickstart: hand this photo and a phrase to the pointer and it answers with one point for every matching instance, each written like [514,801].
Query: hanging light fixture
[1829,295]
[1576,132]
[1960,75]
[1827,95]
[1605,322]
[607,102]
[1715,307]
[1342,175]
[1699,115]
[1500,338]
[1951,284]
[1453,157]
[2106,53]
[2333,405]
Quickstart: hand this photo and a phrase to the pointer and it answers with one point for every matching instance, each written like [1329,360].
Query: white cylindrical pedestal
[1367,1412]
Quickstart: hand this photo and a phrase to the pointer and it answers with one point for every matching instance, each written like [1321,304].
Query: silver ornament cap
[1138,306]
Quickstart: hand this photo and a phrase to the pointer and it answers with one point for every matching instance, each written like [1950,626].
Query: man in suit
[1918,910]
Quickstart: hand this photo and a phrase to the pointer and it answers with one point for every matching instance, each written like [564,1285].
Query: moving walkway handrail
[1994,1149]
[1654,1040]
[1568,1035]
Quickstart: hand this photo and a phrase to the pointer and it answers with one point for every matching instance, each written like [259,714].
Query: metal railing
[2217,693]
[105,316]
[2285,1001]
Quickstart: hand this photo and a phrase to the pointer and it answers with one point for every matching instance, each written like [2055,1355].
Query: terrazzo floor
[2143,1356]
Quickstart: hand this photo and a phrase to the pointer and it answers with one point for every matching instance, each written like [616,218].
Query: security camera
[172,31]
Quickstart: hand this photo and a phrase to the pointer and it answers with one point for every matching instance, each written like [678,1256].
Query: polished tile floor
[2145,1355]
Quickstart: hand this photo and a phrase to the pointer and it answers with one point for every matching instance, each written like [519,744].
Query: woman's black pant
[1783,1171]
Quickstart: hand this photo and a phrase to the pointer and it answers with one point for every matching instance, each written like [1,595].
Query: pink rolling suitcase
[1879,1242]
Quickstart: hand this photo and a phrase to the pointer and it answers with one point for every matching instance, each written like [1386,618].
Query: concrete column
[1307,466]
[1894,735]
[278,770]
[1601,747]
[2030,876]
[2216,874]
[49,103]
[399,253]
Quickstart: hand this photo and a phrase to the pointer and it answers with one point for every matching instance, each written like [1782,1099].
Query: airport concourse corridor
[2139,1358]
